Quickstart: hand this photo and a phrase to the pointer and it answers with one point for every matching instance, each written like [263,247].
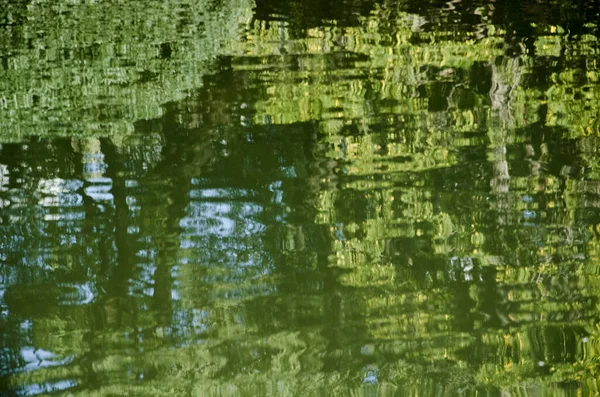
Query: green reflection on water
[299,198]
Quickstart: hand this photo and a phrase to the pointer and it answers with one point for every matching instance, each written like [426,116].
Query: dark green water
[299,198]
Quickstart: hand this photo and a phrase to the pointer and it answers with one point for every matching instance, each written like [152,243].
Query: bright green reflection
[299,198]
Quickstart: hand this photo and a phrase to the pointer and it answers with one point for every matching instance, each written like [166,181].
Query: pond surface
[299,198]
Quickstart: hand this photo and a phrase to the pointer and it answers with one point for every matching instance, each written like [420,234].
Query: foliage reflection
[299,198]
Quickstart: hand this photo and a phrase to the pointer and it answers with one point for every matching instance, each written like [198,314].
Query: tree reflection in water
[371,198]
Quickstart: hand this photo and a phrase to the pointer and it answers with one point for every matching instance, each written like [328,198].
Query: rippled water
[298,198]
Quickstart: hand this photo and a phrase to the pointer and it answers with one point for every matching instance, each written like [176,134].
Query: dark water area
[299,198]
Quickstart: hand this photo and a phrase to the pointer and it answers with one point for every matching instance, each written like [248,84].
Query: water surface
[299,198]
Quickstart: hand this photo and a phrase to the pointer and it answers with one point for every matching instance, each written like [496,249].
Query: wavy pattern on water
[375,199]
[95,68]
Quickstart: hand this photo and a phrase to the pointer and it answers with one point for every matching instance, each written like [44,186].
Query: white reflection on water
[78,294]
[99,189]
[49,387]
[40,358]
